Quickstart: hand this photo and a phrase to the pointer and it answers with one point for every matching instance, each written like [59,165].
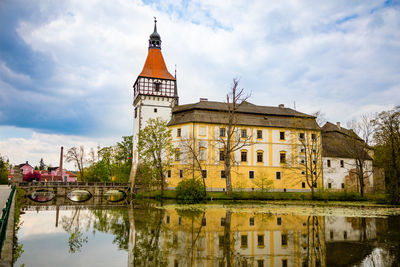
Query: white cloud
[338,57]
[46,146]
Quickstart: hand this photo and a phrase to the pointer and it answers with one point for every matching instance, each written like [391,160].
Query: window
[222,132]
[259,134]
[155,110]
[279,221]
[177,154]
[260,240]
[243,241]
[176,264]
[342,163]
[178,132]
[251,174]
[303,172]
[282,135]
[284,263]
[314,137]
[302,150]
[222,221]
[203,221]
[314,151]
[251,221]
[328,162]
[136,112]
[156,87]
[282,157]
[260,263]
[202,153]
[243,156]
[202,131]
[278,175]
[180,173]
[284,240]
[223,174]
[244,133]
[203,173]
[180,220]
[169,173]
[329,185]
[342,185]
[221,241]
[302,161]
[303,185]
[301,136]
[345,234]
[221,155]
[168,219]
[260,156]
[331,235]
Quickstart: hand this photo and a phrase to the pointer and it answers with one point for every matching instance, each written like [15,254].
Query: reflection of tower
[57,214]
[132,234]
[155,91]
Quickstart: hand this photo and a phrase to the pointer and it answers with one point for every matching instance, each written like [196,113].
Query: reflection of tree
[196,217]
[315,243]
[148,225]
[114,221]
[76,241]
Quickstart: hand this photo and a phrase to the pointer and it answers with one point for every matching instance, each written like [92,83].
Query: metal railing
[4,218]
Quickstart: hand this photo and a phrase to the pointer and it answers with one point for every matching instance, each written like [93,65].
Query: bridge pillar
[61,191]
[98,191]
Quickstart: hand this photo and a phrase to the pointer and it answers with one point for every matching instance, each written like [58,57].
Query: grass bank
[319,197]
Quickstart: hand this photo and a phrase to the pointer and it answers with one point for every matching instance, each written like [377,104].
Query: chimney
[61,161]
[203,99]
[26,163]
[338,124]
[281,105]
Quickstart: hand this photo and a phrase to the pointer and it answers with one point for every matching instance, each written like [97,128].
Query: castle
[283,146]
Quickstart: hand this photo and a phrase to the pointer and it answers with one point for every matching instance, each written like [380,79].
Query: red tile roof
[155,66]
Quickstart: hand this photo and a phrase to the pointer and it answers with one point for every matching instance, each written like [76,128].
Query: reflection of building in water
[217,237]
[349,239]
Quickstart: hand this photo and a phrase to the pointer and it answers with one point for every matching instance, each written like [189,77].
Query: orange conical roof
[154,66]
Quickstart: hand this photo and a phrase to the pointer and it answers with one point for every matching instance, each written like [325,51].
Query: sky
[67,67]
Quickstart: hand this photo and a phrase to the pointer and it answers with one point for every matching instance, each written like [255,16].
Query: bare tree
[196,157]
[310,159]
[357,145]
[233,140]
[77,156]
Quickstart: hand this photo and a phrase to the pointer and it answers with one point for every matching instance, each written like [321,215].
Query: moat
[261,234]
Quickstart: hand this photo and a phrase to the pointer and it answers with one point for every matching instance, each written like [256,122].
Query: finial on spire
[155,39]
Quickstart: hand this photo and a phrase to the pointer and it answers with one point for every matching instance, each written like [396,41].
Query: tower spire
[155,39]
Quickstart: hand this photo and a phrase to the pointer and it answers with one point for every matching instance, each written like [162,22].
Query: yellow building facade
[275,143]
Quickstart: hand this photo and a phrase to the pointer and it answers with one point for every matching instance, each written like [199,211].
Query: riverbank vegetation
[319,196]
[107,164]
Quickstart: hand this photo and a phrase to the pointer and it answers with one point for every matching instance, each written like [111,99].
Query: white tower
[155,92]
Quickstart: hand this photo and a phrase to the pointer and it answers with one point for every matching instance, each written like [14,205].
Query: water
[144,234]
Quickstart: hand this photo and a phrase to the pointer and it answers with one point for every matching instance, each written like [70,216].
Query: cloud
[67,68]
[34,146]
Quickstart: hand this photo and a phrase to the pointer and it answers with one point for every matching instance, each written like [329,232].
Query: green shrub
[190,191]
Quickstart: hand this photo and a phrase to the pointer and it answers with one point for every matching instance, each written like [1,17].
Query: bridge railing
[4,218]
[72,184]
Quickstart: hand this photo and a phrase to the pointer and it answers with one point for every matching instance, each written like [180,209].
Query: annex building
[280,148]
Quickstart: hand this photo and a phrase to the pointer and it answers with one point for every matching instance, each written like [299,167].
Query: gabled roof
[155,67]
[342,143]
[247,114]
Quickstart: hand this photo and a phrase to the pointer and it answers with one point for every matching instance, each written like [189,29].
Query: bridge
[64,188]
